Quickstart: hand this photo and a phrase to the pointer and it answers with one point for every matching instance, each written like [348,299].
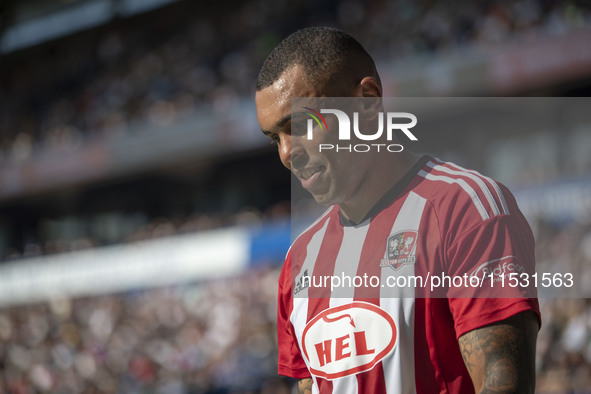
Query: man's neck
[385,174]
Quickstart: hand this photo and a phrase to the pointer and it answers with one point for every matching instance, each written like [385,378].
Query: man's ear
[372,96]
[370,87]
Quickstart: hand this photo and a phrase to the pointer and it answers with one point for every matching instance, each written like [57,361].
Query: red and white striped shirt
[375,335]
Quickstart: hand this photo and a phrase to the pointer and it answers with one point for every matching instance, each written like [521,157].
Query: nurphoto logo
[392,121]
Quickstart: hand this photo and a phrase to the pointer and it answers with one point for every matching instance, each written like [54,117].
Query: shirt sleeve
[290,361]
[500,253]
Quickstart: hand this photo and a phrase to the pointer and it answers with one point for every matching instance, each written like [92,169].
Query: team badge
[400,249]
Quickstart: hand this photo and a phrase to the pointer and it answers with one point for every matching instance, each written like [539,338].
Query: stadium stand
[137,132]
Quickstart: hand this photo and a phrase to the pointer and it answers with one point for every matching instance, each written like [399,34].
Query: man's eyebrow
[279,124]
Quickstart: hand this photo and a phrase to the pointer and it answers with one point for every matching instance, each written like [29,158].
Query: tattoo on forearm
[500,358]
[467,346]
[305,386]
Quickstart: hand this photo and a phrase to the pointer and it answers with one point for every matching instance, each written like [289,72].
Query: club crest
[400,249]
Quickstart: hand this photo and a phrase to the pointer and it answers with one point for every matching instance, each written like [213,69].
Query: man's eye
[275,139]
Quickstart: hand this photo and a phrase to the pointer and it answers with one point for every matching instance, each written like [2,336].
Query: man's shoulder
[458,191]
[318,224]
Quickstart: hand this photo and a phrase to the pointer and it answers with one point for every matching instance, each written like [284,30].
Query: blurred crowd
[214,337]
[564,346]
[156,67]
[564,342]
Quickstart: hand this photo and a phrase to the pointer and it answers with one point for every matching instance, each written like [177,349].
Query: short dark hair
[322,51]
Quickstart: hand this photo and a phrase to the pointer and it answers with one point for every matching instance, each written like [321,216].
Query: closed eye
[274,137]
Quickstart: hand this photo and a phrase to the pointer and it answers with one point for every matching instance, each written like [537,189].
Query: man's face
[330,177]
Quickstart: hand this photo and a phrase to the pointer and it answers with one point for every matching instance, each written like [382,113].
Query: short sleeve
[493,251]
[290,361]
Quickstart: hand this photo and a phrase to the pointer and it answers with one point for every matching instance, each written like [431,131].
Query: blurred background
[144,218]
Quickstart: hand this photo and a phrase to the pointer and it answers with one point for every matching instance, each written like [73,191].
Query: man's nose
[291,153]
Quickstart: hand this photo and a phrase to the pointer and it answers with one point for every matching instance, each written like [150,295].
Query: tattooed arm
[305,386]
[501,357]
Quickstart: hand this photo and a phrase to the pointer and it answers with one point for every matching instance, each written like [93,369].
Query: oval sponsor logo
[348,339]
[495,269]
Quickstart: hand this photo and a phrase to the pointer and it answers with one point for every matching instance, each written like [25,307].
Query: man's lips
[309,175]
[308,172]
